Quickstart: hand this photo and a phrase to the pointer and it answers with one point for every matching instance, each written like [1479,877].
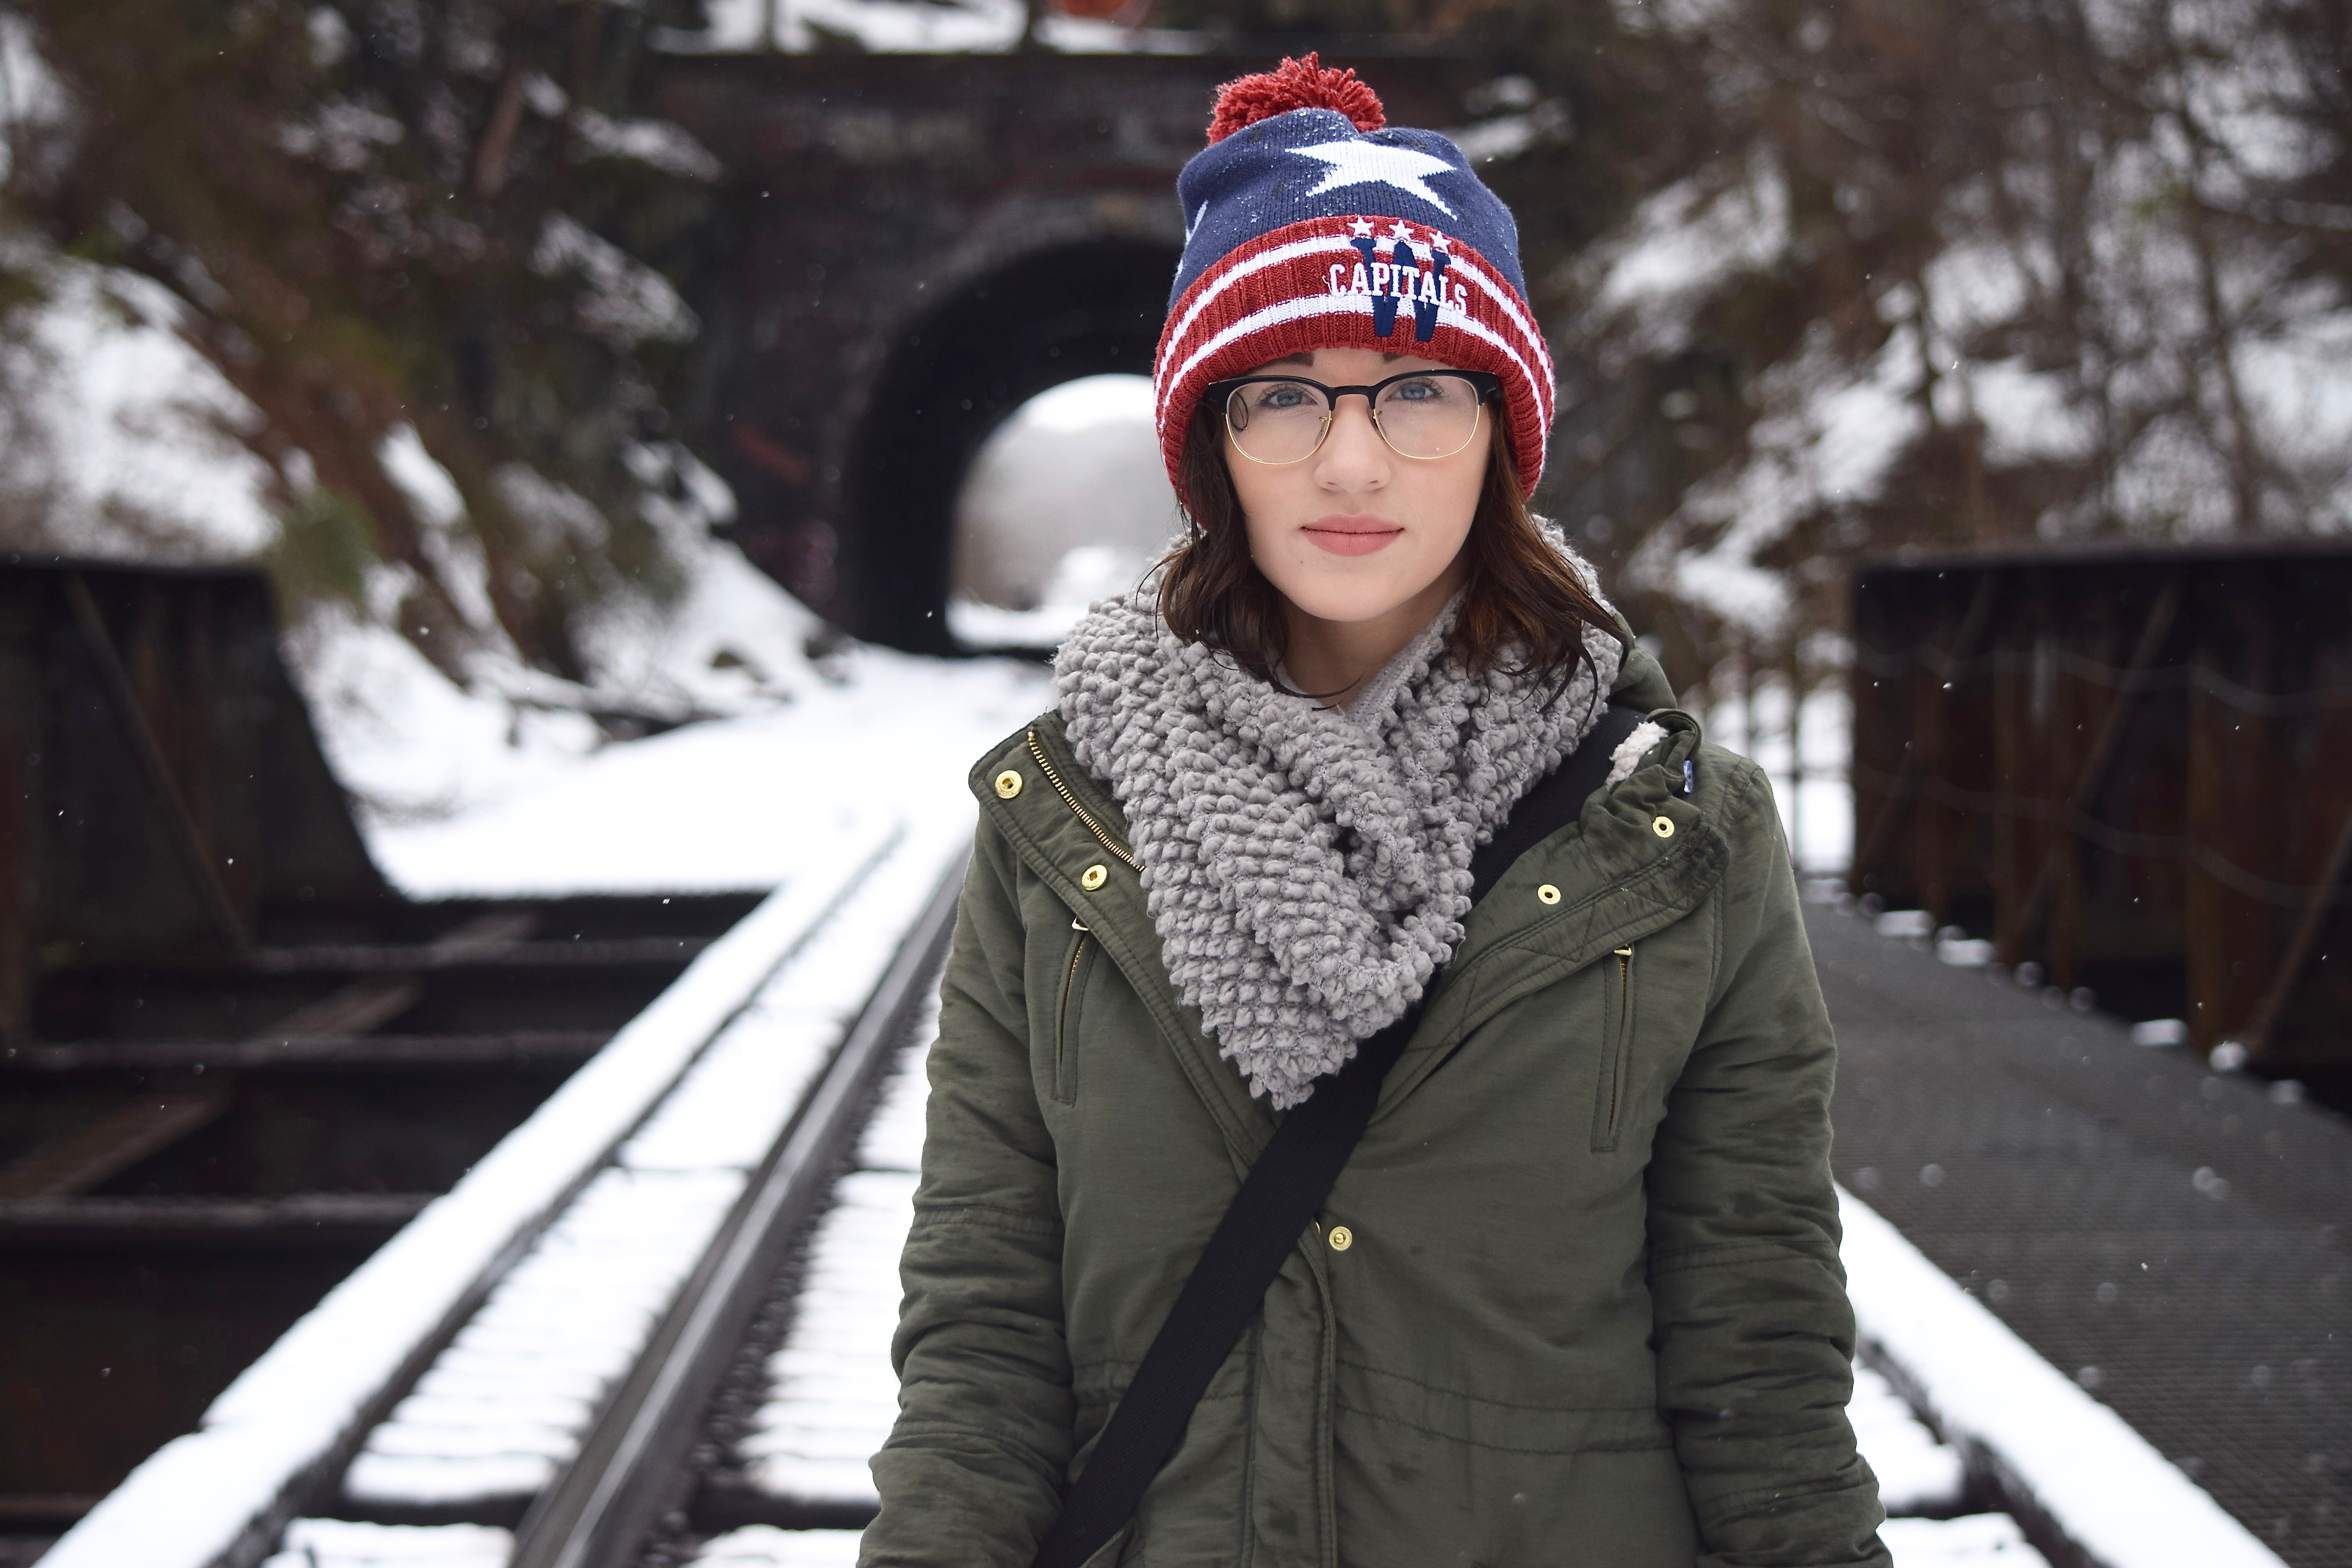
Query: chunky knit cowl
[1308,869]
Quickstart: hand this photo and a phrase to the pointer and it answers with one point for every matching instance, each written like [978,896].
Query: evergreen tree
[387,217]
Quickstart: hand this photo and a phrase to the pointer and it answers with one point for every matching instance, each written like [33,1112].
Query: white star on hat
[1401,230]
[1355,162]
[1360,227]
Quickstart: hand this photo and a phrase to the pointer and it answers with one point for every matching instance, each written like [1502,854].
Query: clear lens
[1432,416]
[1428,416]
[1276,421]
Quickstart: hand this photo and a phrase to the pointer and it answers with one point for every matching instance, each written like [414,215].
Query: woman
[1575,1298]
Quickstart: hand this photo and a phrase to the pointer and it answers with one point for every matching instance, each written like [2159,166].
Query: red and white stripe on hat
[1333,282]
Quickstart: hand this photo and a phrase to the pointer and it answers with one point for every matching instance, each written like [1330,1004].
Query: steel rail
[599,1510]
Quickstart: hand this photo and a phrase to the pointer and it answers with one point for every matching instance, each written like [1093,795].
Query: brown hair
[1522,598]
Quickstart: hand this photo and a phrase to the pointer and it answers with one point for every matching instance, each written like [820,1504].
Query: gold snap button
[1342,1238]
[1548,894]
[1094,877]
[1008,784]
[1664,827]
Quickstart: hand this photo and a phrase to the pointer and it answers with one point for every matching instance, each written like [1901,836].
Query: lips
[1352,535]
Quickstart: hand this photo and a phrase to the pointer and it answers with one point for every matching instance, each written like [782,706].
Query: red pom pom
[1294,84]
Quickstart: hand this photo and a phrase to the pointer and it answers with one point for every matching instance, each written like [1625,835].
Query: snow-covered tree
[425,240]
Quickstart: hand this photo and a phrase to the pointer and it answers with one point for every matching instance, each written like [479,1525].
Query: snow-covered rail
[629,1464]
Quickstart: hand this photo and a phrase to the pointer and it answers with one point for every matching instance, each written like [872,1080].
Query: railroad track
[739,1435]
[566,1425]
[684,1359]
[637,1465]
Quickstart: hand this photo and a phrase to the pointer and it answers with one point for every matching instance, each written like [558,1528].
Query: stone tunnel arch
[961,366]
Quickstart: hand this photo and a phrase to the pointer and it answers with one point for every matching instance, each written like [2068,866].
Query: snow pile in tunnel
[1068,503]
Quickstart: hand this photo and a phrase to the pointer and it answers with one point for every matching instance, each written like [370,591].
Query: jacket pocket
[1616,1052]
[1065,1018]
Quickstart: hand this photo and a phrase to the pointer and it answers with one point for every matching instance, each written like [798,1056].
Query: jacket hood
[1642,680]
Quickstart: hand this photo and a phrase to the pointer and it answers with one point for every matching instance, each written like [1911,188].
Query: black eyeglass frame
[1485,383]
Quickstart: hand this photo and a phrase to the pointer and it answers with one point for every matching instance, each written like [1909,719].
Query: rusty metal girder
[2131,767]
[160,784]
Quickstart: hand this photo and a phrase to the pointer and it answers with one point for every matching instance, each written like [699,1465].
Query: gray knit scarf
[1309,869]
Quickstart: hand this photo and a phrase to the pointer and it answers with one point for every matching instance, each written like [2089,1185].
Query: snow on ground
[726,805]
[120,441]
[913,26]
[1993,1539]
[480,793]
[765,1546]
[1917,1473]
[2102,1483]
[506,787]
[339,1544]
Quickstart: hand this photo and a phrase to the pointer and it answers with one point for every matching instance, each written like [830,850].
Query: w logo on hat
[1401,279]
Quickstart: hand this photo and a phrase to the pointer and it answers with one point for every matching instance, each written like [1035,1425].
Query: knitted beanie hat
[1311,223]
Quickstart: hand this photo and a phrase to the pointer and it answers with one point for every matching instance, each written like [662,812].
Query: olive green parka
[1575,1301]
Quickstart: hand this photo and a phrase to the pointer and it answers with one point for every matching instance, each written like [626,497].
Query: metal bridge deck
[2033,1152]
[2172,1236]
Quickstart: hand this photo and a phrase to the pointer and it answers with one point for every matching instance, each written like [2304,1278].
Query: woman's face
[1355,531]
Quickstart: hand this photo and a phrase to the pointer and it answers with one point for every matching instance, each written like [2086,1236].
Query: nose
[1352,457]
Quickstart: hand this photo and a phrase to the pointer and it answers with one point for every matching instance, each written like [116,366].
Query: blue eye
[1282,395]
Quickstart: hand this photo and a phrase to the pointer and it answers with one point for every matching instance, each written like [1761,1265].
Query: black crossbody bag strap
[1277,1201]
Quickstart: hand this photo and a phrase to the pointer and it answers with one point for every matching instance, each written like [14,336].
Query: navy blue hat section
[1314,162]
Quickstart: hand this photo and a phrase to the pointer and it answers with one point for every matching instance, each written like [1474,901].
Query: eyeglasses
[1421,413]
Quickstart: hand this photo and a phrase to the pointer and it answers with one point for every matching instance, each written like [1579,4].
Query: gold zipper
[1062,1017]
[1070,980]
[1080,812]
[1617,1048]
